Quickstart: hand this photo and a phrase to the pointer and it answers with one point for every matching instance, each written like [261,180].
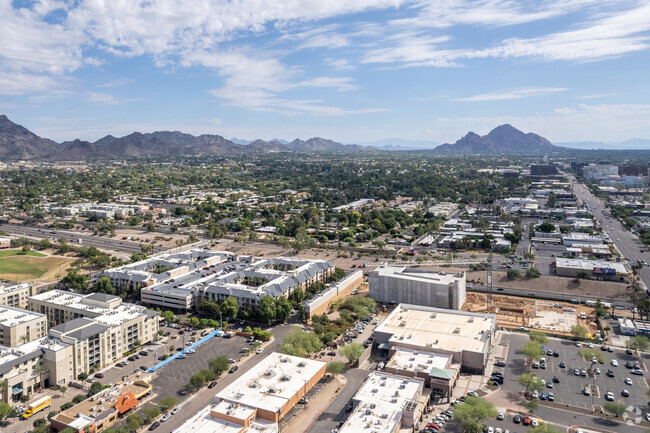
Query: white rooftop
[436,328]
[13,287]
[10,316]
[204,422]
[589,265]
[381,401]
[444,278]
[419,361]
[272,382]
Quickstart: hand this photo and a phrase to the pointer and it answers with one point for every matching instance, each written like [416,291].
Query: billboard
[604,271]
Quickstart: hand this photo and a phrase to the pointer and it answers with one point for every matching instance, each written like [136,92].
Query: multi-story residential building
[16,295]
[99,327]
[19,326]
[180,281]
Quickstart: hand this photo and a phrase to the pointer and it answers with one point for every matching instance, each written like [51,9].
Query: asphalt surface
[73,237]
[569,391]
[626,242]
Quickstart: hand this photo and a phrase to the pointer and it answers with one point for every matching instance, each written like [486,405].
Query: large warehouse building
[396,285]
[599,269]
[466,336]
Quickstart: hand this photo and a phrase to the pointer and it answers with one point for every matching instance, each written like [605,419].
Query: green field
[24,268]
[10,253]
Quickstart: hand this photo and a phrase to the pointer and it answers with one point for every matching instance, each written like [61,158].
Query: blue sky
[353,71]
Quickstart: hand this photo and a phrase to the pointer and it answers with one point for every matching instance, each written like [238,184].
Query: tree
[103,285]
[5,410]
[532,405]
[168,316]
[472,414]
[94,388]
[337,274]
[352,351]
[218,364]
[615,408]
[538,336]
[513,274]
[297,296]
[75,281]
[579,331]
[44,244]
[593,356]
[282,308]
[531,382]
[167,403]
[4,386]
[63,389]
[532,350]
[266,310]
[151,413]
[82,376]
[546,227]
[582,274]
[230,308]
[40,369]
[637,343]
[134,421]
[335,367]
[300,343]
[533,272]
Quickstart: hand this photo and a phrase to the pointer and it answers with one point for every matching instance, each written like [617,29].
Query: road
[626,242]
[73,237]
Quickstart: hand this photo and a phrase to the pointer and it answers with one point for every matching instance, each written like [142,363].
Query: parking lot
[506,424]
[570,389]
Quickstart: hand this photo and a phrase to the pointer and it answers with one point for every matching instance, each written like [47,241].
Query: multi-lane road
[627,243]
[73,237]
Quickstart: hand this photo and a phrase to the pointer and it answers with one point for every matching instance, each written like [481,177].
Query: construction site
[515,312]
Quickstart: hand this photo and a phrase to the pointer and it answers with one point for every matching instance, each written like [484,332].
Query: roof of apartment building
[11,316]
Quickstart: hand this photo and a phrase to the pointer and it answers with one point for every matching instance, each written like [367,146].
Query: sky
[354,71]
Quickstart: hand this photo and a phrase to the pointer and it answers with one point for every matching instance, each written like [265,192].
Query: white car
[614,363]
[628,381]
[578,344]
[590,345]
[501,416]
[609,396]
[165,418]
[260,350]
[534,422]
[176,410]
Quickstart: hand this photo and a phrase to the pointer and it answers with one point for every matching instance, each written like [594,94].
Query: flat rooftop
[382,399]
[272,382]
[10,316]
[444,278]
[204,422]
[105,316]
[8,289]
[436,328]
[419,361]
[589,265]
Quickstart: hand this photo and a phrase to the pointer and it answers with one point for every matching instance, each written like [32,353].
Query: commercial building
[599,269]
[105,408]
[595,172]
[268,391]
[98,328]
[627,326]
[321,302]
[15,295]
[353,205]
[466,336]
[386,403]
[436,369]
[542,170]
[212,419]
[396,285]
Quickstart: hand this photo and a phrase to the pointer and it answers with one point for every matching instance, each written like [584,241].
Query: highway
[627,243]
[73,237]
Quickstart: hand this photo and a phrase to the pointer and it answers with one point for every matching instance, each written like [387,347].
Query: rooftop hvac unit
[372,405]
[384,415]
[396,392]
[374,390]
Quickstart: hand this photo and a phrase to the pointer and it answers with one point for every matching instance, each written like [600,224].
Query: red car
[526,421]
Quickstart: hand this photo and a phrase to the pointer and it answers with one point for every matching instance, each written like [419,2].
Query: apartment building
[15,295]
[18,326]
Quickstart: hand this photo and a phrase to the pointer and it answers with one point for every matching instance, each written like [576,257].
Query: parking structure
[570,389]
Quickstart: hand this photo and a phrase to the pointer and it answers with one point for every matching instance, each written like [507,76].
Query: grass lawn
[10,253]
[24,268]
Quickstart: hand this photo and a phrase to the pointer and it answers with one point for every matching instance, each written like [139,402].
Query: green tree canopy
[532,350]
[266,310]
[615,408]
[230,308]
[579,331]
[352,351]
[335,367]
[539,336]
[472,414]
[167,403]
[299,343]
[75,281]
[639,342]
[282,309]
[103,285]
[218,364]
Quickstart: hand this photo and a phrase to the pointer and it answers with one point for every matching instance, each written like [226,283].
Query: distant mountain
[633,144]
[240,141]
[401,144]
[504,139]
[17,142]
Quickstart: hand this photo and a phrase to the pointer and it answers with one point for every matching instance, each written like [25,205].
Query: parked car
[500,363]
[165,417]
[176,410]
[233,369]
[212,384]
[154,426]
[99,375]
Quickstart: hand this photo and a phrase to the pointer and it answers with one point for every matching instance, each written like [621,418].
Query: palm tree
[24,338]
[4,385]
[40,369]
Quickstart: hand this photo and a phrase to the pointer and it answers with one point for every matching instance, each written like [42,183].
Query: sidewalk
[317,404]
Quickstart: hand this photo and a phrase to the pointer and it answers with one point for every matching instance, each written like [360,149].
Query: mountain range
[19,143]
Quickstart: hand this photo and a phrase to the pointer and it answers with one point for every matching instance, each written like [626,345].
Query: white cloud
[105,98]
[340,64]
[511,94]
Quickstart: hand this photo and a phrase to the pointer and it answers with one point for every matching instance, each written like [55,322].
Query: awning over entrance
[441,373]
[385,346]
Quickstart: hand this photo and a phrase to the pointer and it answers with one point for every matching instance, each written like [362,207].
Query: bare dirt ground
[514,312]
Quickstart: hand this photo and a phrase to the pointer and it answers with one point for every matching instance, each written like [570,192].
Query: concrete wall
[395,289]
[320,303]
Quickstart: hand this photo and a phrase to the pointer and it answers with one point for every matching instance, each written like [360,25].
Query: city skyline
[349,71]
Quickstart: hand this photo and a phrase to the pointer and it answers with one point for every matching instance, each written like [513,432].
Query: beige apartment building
[16,295]
[18,326]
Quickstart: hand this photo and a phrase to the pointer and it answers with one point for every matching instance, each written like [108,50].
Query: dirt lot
[513,312]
